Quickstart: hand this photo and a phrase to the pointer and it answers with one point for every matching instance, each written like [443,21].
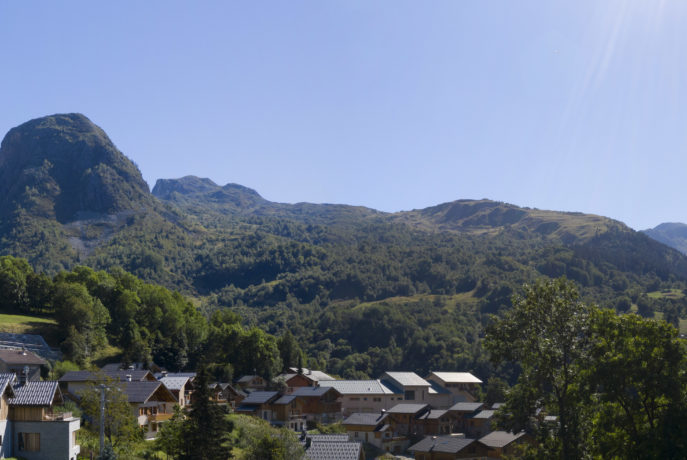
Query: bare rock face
[64,165]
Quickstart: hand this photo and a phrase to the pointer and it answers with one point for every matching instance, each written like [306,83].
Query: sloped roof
[174,383]
[496,406]
[335,450]
[407,408]
[80,376]
[433,414]
[35,394]
[286,399]
[309,373]
[407,379]
[486,414]
[445,444]
[328,437]
[6,381]
[466,406]
[312,391]
[457,377]
[247,378]
[140,392]
[500,438]
[15,357]
[359,387]
[259,397]
[140,375]
[122,376]
[365,418]
[189,375]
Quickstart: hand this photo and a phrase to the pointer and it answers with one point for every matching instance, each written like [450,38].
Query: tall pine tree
[207,428]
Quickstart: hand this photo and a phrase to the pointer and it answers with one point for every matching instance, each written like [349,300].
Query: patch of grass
[24,324]
[667,294]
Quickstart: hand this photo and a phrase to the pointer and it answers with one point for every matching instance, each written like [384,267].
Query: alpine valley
[362,291]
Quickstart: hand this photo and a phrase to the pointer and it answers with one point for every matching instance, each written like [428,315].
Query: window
[377,399]
[410,395]
[30,442]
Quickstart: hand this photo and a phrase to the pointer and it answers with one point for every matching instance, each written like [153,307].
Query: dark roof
[259,397]
[20,357]
[243,408]
[247,378]
[433,414]
[140,392]
[136,375]
[286,399]
[80,376]
[312,391]
[364,418]
[35,394]
[466,406]
[446,444]
[122,376]
[500,438]
[333,450]
[408,408]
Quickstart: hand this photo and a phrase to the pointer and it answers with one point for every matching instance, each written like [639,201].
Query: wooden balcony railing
[160,417]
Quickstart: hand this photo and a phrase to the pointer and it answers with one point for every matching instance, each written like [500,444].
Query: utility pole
[102,418]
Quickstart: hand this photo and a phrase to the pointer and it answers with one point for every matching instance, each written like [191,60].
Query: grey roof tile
[466,406]
[312,391]
[140,392]
[486,414]
[35,393]
[333,451]
[174,383]
[408,408]
[260,397]
[500,438]
[286,399]
[365,418]
[444,444]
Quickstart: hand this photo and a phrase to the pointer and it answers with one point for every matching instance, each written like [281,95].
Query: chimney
[164,373]
[128,377]
[24,375]
[308,442]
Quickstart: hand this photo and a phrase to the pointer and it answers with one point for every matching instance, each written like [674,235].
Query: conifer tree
[207,427]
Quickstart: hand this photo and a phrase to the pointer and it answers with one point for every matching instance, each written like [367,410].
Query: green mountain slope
[426,279]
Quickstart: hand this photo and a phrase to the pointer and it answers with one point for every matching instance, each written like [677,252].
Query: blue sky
[395,105]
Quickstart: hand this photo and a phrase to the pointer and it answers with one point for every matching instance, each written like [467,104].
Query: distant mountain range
[71,197]
[670,234]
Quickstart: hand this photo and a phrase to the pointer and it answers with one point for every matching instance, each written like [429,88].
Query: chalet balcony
[159,417]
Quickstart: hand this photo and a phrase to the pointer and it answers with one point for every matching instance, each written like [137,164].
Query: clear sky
[395,105]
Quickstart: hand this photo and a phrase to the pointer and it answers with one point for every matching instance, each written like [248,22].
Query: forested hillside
[361,290]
